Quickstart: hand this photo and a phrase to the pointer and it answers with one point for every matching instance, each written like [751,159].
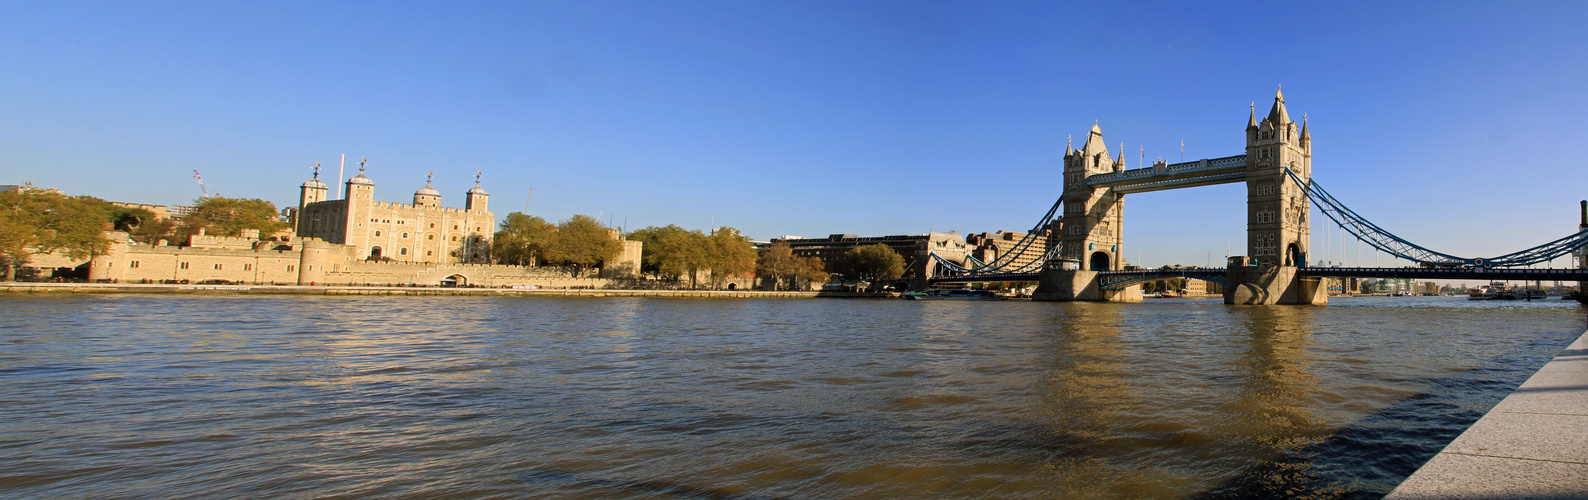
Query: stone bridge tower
[1277,230]
[1092,226]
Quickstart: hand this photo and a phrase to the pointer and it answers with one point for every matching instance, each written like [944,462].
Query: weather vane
[476,178]
[361,161]
[317,170]
[428,175]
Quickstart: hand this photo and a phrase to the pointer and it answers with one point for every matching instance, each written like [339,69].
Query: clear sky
[1455,124]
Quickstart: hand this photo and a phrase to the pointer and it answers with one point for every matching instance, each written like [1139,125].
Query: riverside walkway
[1534,444]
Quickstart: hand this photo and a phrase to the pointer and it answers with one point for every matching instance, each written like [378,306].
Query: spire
[1095,129]
[1305,136]
[1252,122]
[1120,165]
[1277,115]
[1069,145]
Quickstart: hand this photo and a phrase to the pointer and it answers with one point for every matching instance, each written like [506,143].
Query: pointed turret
[1277,114]
[1120,165]
[1251,123]
[1069,145]
[1306,137]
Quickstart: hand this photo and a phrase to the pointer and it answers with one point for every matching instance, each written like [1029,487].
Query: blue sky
[1456,125]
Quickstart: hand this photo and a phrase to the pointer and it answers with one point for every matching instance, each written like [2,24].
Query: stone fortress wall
[353,241]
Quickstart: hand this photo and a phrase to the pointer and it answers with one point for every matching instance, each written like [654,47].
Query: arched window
[405,235]
[374,253]
[402,251]
[377,233]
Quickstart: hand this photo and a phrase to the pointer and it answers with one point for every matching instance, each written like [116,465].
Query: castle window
[133,265]
[248,267]
[454,227]
[432,225]
[289,268]
[431,236]
[182,265]
[454,237]
[402,251]
[217,266]
[427,253]
[405,235]
[377,233]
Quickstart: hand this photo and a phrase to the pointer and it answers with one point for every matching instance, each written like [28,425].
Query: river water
[237,396]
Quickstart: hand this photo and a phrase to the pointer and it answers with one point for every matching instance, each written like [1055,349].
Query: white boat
[953,294]
[1492,291]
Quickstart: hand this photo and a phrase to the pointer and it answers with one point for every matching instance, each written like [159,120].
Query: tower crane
[202,188]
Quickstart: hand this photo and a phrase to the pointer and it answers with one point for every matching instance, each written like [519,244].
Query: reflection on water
[638,398]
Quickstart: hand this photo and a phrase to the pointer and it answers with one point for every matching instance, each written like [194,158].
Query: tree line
[676,254]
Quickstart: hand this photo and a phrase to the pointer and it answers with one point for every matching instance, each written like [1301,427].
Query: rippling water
[467,397]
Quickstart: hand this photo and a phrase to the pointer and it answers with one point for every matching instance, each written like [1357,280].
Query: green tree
[671,251]
[728,253]
[42,221]
[524,240]
[873,262]
[222,216]
[129,219]
[581,241]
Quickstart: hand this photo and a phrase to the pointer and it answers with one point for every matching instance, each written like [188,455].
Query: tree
[43,221]
[581,241]
[672,251]
[523,240]
[810,270]
[222,216]
[777,262]
[874,262]
[728,253]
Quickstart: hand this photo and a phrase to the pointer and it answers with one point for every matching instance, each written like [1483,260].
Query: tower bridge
[1084,255]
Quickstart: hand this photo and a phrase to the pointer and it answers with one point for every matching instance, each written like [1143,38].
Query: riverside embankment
[91,288]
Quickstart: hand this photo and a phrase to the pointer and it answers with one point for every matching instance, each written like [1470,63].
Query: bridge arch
[1100,261]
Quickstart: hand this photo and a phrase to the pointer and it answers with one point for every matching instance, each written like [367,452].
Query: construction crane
[202,188]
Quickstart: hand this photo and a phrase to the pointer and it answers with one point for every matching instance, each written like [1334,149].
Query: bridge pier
[1273,285]
[1058,285]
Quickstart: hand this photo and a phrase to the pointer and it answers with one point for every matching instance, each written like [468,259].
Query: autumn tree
[777,262]
[582,242]
[41,221]
[223,216]
[524,240]
[811,270]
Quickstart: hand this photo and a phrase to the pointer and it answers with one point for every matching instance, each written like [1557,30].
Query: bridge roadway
[1519,274]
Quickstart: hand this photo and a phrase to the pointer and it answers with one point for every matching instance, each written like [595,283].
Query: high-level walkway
[1533,445]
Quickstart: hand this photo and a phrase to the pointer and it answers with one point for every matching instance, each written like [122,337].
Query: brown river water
[238,396]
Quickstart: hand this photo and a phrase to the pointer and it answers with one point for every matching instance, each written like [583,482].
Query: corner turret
[476,198]
[427,196]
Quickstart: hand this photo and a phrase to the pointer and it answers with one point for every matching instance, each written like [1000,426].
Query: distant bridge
[1086,237]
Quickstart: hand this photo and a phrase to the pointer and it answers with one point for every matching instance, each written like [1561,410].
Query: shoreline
[112,288]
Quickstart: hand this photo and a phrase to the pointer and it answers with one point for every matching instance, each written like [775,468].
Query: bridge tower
[1092,226]
[1277,231]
